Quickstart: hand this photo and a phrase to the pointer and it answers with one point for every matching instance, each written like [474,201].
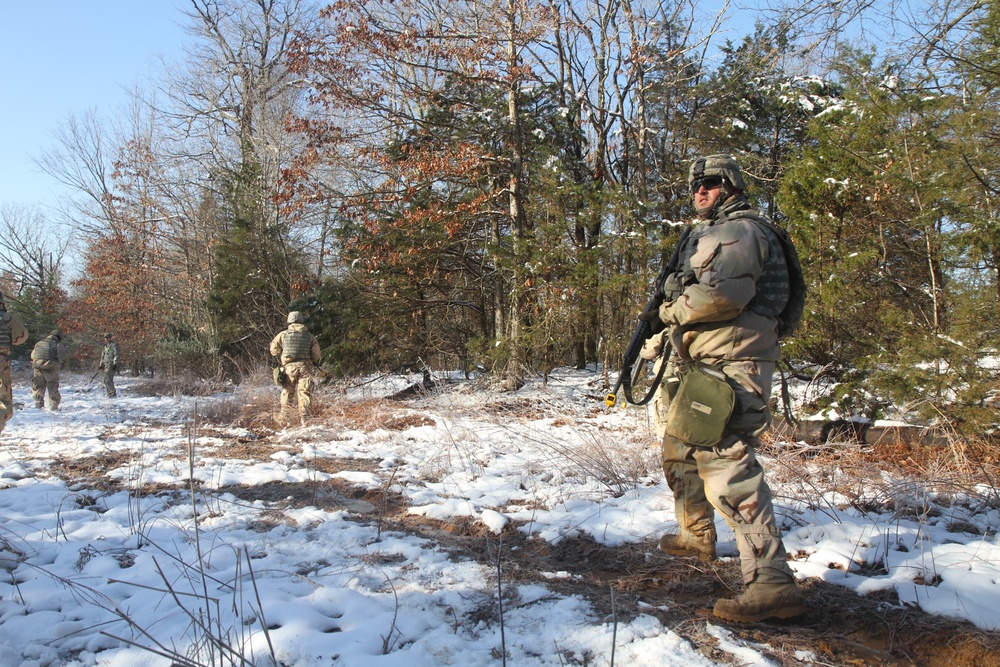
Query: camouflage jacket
[18,334]
[707,298]
[110,355]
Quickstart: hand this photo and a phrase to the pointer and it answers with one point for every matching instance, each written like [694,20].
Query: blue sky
[63,57]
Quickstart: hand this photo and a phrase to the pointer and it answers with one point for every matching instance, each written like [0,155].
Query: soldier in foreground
[110,357]
[12,332]
[721,309]
[297,351]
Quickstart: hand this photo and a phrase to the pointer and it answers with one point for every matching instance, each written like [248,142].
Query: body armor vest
[773,286]
[46,350]
[675,283]
[5,335]
[297,346]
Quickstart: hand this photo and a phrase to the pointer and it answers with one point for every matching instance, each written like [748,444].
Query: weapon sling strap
[786,399]
[627,385]
[626,378]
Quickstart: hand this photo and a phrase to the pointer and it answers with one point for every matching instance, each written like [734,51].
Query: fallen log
[820,432]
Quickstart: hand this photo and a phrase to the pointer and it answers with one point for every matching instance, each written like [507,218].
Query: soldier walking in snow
[721,310]
[47,359]
[12,332]
[110,356]
[297,351]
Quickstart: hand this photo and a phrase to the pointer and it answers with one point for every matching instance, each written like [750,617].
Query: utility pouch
[700,410]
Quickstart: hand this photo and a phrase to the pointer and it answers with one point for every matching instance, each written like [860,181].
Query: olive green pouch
[700,410]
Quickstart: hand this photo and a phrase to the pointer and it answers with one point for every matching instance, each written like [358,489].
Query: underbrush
[956,483]
[256,404]
[178,386]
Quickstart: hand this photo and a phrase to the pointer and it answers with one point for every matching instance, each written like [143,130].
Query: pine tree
[256,268]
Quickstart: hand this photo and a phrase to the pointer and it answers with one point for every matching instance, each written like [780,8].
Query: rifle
[648,319]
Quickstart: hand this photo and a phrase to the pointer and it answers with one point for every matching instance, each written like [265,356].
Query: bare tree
[82,160]
[31,252]
[224,112]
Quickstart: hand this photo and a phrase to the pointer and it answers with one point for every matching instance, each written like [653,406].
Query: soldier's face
[706,192]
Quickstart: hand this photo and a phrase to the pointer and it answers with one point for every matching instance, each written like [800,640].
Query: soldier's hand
[666,314]
[652,348]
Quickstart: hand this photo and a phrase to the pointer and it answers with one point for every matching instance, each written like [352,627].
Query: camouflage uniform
[47,359]
[12,332]
[297,350]
[110,356]
[716,316]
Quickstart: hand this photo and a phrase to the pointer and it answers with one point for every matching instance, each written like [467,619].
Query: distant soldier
[297,350]
[47,359]
[109,363]
[12,332]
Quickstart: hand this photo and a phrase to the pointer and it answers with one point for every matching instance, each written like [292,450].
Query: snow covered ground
[92,575]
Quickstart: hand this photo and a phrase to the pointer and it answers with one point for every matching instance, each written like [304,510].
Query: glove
[653,347]
[666,314]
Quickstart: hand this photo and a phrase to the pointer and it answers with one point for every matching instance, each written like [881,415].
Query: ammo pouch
[701,408]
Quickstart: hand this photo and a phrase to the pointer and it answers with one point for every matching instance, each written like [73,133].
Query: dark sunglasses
[708,182]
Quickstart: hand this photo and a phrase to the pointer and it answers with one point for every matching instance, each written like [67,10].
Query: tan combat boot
[688,544]
[763,601]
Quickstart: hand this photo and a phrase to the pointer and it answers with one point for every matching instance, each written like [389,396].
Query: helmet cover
[718,165]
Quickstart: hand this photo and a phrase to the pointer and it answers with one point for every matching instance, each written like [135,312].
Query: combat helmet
[718,165]
[296,317]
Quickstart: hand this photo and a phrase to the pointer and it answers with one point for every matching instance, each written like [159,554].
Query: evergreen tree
[756,111]
[872,220]
[256,268]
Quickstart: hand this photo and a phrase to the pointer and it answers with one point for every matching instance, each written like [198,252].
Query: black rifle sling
[627,376]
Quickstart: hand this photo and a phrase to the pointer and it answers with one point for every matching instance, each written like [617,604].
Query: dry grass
[956,482]
[178,386]
[366,415]
[256,405]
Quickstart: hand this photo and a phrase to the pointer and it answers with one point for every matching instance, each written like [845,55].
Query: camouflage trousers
[728,479]
[6,391]
[43,380]
[299,386]
[109,381]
